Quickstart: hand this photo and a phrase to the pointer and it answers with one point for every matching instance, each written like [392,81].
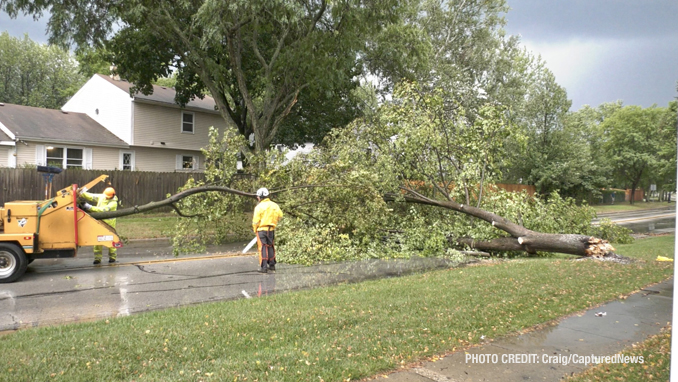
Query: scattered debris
[246,294]
[601,314]
[662,258]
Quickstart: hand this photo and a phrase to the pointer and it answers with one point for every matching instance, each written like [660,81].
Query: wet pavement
[557,351]
[148,277]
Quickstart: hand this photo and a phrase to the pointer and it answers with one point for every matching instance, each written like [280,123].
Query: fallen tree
[521,239]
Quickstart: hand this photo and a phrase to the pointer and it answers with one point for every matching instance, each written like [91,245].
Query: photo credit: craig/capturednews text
[560,359]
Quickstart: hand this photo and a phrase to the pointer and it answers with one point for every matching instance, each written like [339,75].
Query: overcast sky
[604,50]
[599,50]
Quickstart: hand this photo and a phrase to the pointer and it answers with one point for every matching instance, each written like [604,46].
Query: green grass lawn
[656,353]
[146,226]
[625,206]
[345,332]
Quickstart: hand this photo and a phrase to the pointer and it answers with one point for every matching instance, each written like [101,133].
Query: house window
[187,122]
[187,162]
[64,157]
[127,160]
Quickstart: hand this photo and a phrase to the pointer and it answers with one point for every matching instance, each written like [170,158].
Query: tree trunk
[522,239]
[579,245]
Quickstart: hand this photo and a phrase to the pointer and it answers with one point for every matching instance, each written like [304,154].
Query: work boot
[111,261]
[96,262]
[263,270]
[271,267]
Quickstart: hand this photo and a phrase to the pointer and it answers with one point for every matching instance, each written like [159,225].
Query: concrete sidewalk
[555,352]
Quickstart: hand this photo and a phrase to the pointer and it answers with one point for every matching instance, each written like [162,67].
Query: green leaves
[36,75]
[641,144]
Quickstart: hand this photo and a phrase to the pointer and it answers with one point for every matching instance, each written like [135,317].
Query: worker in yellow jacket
[266,216]
[103,203]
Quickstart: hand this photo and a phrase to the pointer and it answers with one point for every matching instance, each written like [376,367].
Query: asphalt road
[148,277]
[644,221]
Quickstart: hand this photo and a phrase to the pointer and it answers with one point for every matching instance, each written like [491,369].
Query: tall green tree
[255,58]
[640,144]
[550,158]
[38,75]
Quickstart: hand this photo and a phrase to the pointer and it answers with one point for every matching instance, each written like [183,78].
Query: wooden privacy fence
[132,187]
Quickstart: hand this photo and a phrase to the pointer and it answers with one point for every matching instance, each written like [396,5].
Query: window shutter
[11,159]
[40,155]
[179,164]
[87,153]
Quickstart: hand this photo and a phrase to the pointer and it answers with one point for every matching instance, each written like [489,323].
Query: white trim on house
[87,158]
[121,164]
[131,128]
[52,142]
[5,130]
[195,161]
[40,155]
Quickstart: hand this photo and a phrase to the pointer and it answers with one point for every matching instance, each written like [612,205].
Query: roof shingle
[34,123]
[162,94]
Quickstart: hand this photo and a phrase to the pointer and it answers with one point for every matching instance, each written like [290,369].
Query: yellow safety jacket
[266,215]
[102,205]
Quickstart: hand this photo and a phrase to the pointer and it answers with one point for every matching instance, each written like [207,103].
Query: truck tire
[13,262]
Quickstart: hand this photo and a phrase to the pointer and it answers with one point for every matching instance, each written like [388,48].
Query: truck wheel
[13,262]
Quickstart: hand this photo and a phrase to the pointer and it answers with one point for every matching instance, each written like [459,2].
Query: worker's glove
[80,191]
[86,206]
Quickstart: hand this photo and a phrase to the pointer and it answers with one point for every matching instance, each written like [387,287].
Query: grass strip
[346,332]
[146,226]
[656,353]
[625,207]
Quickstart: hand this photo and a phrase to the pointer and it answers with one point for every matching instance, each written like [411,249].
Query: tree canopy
[641,143]
[33,74]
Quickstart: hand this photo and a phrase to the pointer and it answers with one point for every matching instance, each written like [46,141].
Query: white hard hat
[262,192]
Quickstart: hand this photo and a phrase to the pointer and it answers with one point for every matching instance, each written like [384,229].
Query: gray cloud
[644,73]
[36,30]
[560,19]
[637,59]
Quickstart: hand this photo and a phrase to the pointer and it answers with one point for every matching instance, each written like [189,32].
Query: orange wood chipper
[48,229]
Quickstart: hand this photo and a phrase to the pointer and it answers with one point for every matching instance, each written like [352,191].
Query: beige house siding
[162,159]
[5,152]
[154,124]
[25,154]
[105,158]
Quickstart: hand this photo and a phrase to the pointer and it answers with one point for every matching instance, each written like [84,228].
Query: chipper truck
[48,229]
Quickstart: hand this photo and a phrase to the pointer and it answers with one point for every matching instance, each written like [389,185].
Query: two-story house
[160,135]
